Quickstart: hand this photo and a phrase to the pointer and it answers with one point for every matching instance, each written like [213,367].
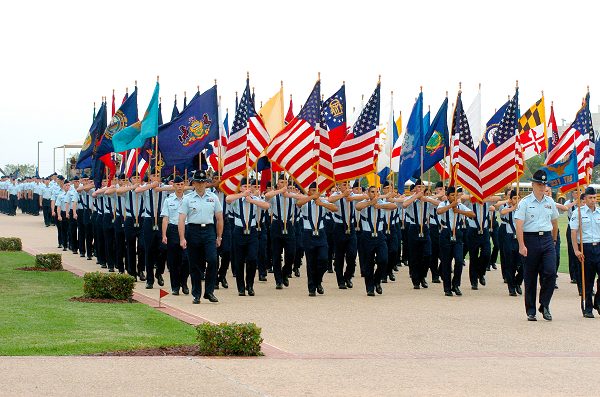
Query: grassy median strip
[37,318]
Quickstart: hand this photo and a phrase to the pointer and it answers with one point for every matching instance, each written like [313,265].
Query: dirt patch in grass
[97,300]
[39,269]
[186,350]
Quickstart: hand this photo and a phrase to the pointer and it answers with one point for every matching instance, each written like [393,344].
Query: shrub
[49,261]
[108,286]
[10,244]
[227,339]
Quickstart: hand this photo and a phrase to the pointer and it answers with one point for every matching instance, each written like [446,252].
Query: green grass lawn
[37,318]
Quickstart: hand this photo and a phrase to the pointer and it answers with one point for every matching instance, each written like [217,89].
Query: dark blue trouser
[501,238]
[202,251]
[261,255]
[81,237]
[120,257]
[224,249]
[592,269]
[99,240]
[134,247]
[279,243]
[391,241]
[419,251]
[449,250]
[434,259]
[540,261]
[375,251]
[495,244]
[109,239]
[345,249]
[299,246]
[479,253]
[178,268]
[574,264]
[244,260]
[513,263]
[152,239]
[316,251]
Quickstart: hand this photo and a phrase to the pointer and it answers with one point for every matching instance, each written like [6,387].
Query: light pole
[38,159]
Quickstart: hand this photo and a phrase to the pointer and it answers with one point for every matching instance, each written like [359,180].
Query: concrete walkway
[405,342]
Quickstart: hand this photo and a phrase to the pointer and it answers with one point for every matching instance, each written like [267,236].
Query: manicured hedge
[229,339]
[108,286]
[49,261]
[10,244]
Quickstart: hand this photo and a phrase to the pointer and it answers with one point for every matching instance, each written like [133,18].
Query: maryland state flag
[532,130]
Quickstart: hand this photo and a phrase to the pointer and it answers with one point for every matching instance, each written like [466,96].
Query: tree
[19,170]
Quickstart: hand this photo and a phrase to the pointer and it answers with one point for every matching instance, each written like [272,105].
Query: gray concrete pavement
[404,342]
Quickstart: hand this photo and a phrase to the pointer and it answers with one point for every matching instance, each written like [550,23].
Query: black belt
[591,244]
[537,234]
[200,225]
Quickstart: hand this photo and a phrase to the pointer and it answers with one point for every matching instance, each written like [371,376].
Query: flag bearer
[513,261]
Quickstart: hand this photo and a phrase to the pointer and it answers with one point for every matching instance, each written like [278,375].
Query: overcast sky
[60,57]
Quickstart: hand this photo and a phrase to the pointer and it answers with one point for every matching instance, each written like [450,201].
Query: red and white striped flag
[576,137]
[503,159]
[464,157]
[357,155]
[297,147]
[248,137]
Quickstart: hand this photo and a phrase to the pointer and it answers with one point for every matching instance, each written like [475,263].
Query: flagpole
[390,138]
[422,154]
[453,168]
[581,248]
[137,175]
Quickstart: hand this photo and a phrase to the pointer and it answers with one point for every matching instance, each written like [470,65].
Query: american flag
[577,137]
[248,135]
[465,157]
[295,148]
[357,155]
[592,139]
[503,158]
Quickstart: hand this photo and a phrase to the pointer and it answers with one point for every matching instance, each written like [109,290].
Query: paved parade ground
[404,342]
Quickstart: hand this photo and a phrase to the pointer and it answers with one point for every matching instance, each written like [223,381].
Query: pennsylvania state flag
[436,140]
[134,136]
[183,138]
[124,117]
[96,130]
[562,173]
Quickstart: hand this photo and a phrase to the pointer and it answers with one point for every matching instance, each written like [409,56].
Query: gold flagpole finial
[588,89]
[157,78]
[135,83]
[247,75]
[379,79]
[517,84]
[281,81]
[542,92]
[198,88]
[215,81]
[126,90]
[318,76]
[459,87]
[446,93]
[421,88]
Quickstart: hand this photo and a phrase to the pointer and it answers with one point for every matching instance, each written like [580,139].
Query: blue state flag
[410,156]
[125,116]
[134,136]
[426,122]
[95,132]
[562,173]
[437,140]
[490,128]
[183,138]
